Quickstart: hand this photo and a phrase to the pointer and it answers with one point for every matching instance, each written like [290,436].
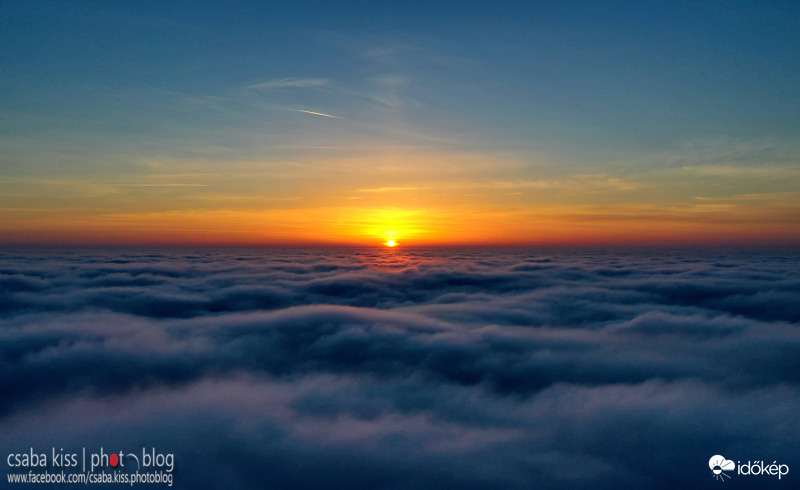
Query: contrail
[316,113]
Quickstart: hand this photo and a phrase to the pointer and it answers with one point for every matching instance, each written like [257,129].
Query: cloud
[289,83]
[350,368]
[316,113]
[392,189]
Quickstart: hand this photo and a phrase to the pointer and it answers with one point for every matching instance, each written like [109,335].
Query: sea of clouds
[400,369]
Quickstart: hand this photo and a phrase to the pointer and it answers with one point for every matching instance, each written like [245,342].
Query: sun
[391,243]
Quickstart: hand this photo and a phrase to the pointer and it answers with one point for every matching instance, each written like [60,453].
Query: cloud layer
[407,369]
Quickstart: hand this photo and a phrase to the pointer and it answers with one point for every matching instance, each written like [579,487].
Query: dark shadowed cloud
[407,369]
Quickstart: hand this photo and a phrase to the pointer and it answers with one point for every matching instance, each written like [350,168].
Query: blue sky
[100,93]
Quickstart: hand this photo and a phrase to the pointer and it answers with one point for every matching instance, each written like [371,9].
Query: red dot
[113,459]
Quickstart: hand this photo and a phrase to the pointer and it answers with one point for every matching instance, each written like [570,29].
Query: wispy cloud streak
[316,113]
[289,83]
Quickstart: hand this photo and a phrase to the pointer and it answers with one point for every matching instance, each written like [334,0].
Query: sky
[430,123]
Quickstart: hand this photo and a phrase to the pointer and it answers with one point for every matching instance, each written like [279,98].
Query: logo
[719,465]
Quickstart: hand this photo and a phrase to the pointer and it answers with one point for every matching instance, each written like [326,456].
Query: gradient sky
[433,123]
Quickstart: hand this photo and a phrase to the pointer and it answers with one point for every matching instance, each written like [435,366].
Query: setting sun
[391,243]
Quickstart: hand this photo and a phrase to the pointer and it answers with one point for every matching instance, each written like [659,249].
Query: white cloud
[289,83]
[316,113]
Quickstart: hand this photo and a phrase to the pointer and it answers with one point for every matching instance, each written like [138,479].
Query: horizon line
[402,245]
